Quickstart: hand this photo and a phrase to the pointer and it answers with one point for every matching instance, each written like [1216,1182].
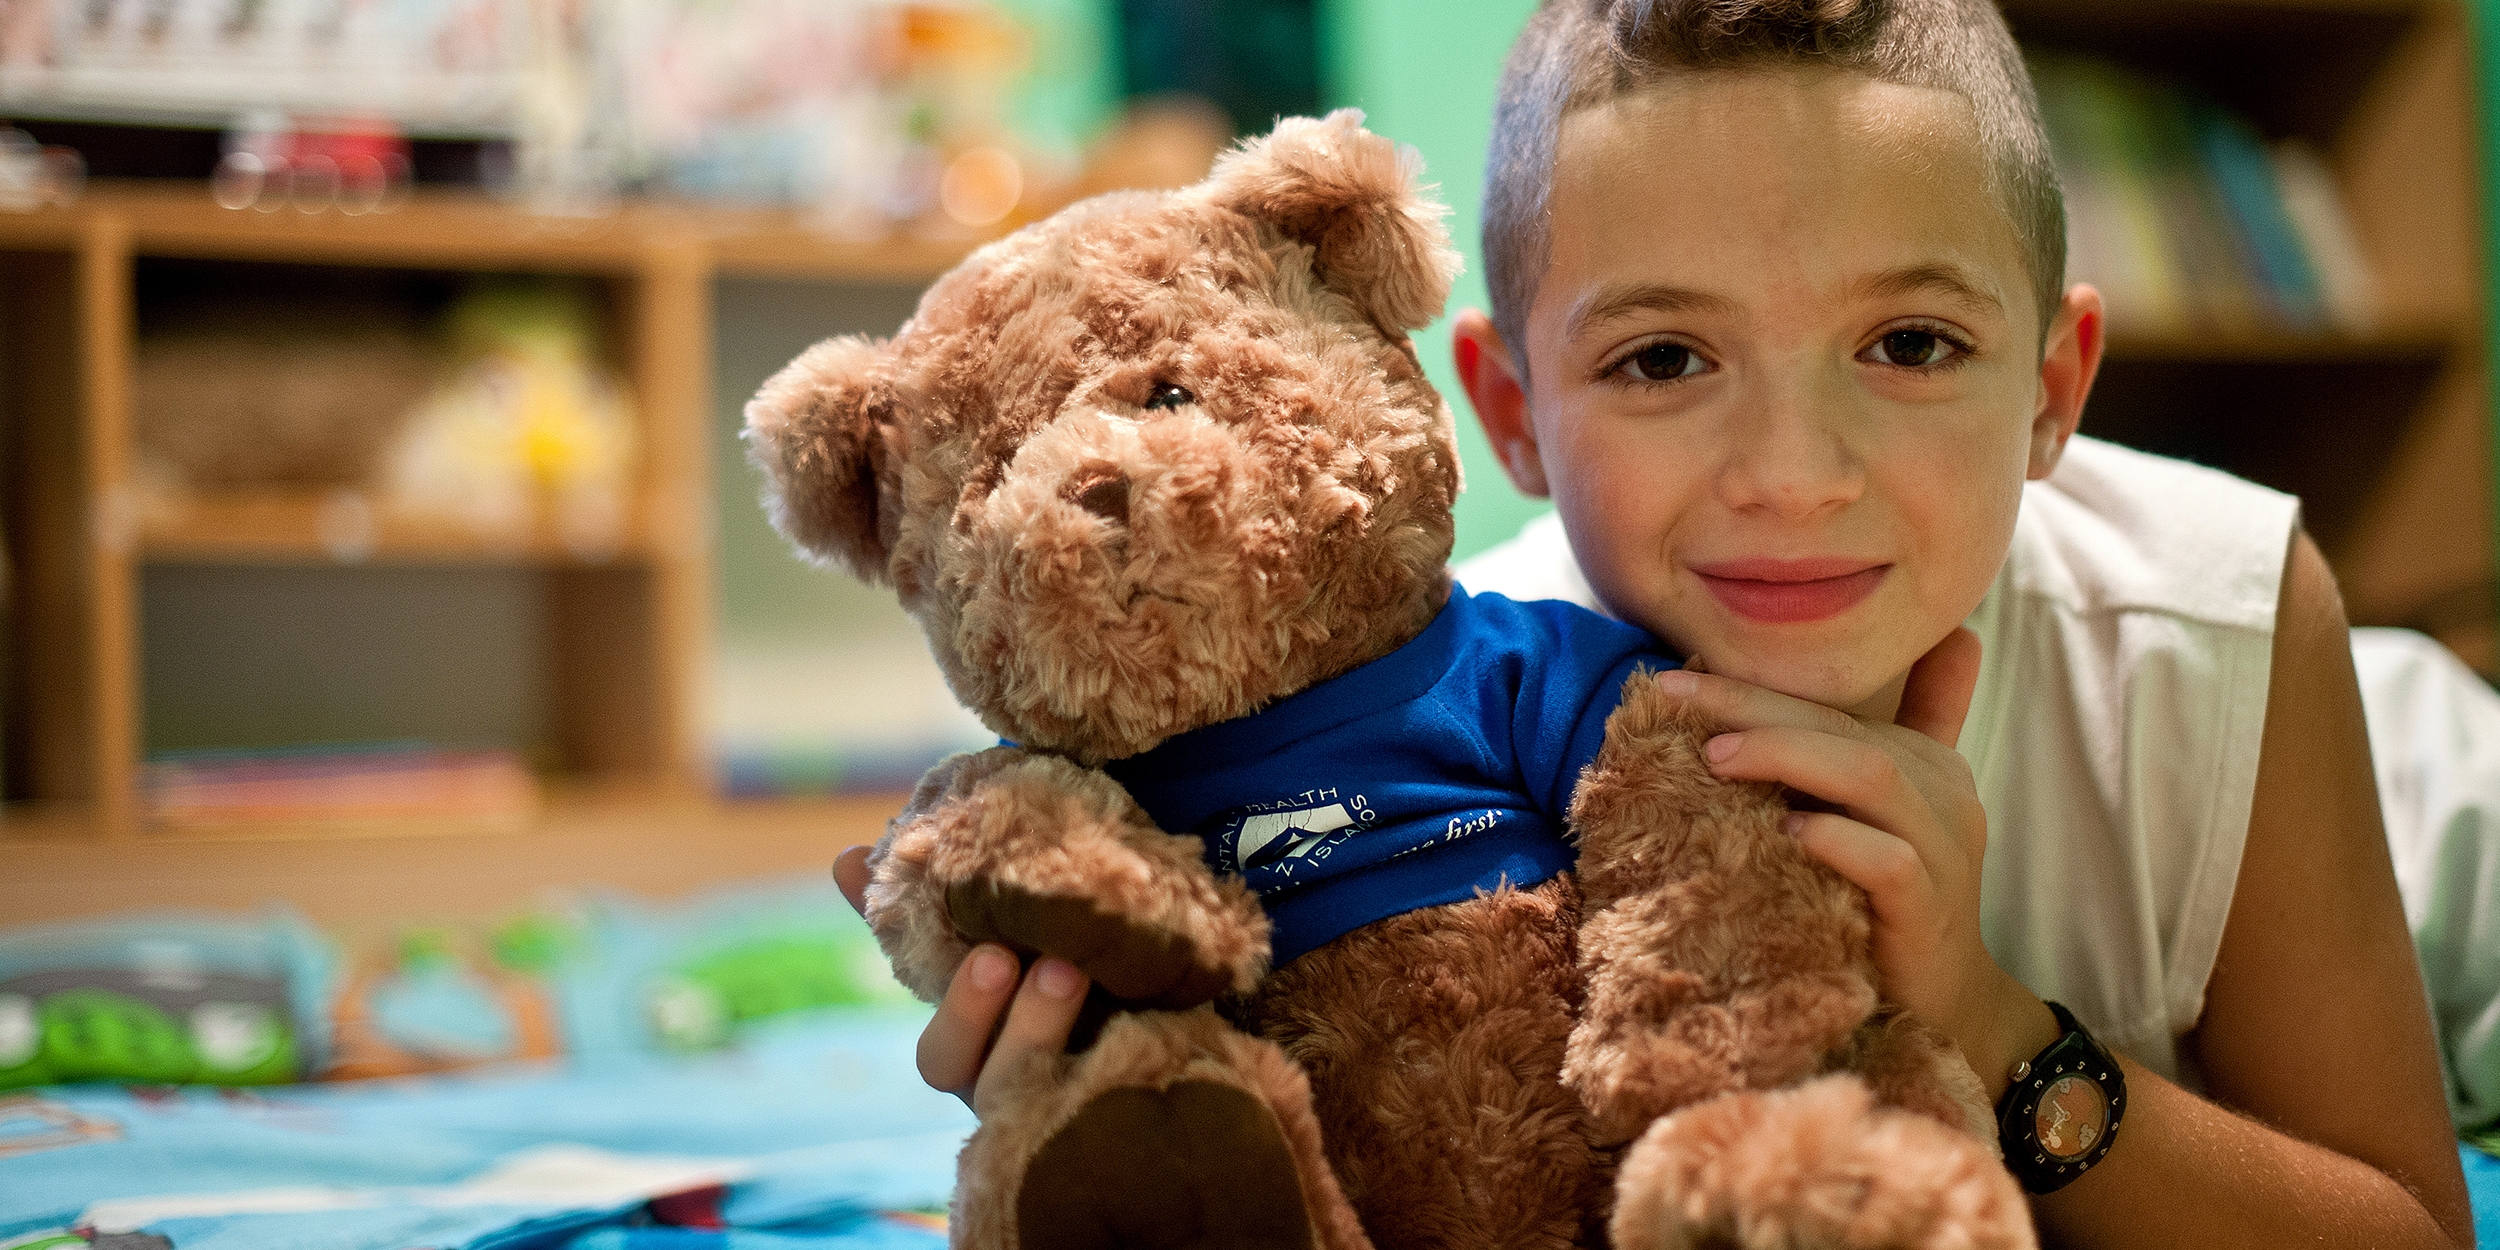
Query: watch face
[2073,1114]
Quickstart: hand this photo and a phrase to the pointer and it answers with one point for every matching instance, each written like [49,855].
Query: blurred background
[371,370]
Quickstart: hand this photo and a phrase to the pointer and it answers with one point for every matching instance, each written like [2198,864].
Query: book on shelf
[2188,220]
[364,784]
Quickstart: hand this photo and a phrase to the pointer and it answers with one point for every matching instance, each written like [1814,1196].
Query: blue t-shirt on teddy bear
[1440,769]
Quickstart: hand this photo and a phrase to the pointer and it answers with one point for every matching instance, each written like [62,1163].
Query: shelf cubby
[605,657]
[2385,434]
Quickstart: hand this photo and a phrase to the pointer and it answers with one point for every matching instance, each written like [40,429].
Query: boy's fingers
[1743,705]
[1937,697]
[850,872]
[1038,1022]
[958,1037]
[1859,776]
[1888,869]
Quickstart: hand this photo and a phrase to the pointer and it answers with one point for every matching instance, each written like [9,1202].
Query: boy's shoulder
[2119,530]
[1532,565]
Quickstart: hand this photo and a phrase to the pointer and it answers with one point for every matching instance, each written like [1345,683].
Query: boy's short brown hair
[1578,53]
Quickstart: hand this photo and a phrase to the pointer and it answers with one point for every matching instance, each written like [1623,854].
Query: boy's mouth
[1783,592]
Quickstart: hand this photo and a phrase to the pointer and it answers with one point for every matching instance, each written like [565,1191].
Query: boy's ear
[1495,390]
[1352,196]
[2069,360]
[822,431]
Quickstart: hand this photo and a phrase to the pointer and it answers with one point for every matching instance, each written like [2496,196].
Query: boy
[1780,323]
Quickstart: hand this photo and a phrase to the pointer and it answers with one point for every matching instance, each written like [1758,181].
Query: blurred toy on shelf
[529,423]
[959,65]
[865,114]
[566,142]
[355,165]
[2188,220]
[502,415]
[443,66]
[947,119]
[764,101]
[260,400]
[34,175]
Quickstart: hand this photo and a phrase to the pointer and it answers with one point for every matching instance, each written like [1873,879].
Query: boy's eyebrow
[1616,303]
[1939,276]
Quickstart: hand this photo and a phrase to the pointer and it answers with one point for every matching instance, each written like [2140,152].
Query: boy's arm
[2328,1125]
[2315,1030]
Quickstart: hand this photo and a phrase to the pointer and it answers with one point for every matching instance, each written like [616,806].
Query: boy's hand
[987,1017]
[1909,831]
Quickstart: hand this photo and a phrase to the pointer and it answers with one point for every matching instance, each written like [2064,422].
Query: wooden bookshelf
[55,865]
[350,527]
[475,232]
[629,604]
[2385,435]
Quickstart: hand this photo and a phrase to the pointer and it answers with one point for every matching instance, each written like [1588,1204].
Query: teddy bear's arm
[1051,858]
[1716,955]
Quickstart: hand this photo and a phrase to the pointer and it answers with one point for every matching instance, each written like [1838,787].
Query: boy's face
[1785,379]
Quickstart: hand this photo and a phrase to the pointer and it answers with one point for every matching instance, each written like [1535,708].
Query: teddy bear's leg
[1911,1066]
[1816,1167]
[1174,1130]
[1434,1042]
[1717,956]
[1052,858]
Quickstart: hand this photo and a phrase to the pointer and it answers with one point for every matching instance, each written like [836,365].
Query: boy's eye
[1166,395]
[1662,362]
[1914,349]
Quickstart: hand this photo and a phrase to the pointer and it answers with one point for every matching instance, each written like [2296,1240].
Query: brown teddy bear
[1414,914]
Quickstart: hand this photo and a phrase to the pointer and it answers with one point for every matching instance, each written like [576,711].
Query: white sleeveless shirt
[2126,648]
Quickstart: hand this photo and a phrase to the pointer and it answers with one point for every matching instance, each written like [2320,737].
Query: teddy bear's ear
[1351,195]
[820,431]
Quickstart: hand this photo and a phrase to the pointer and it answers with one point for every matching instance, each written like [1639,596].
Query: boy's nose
[1790,454]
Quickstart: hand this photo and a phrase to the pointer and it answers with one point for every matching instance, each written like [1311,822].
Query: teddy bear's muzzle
[1105,507]
[1131,575]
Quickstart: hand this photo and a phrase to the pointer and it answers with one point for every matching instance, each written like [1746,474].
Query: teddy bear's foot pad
[1195,1164]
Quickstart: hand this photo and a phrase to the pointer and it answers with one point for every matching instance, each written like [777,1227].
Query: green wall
[1074,89]
[1423,72]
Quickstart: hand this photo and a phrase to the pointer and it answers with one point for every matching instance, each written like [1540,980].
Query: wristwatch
[2061,1112]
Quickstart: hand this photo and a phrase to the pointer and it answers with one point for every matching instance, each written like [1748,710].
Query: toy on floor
[1418,918]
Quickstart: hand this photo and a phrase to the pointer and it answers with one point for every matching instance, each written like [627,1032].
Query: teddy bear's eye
[1166,395]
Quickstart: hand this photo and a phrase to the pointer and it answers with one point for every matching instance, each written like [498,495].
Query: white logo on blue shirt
[1267,837]
[1277,843]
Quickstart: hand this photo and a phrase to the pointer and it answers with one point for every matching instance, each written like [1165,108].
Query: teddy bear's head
[1154,461]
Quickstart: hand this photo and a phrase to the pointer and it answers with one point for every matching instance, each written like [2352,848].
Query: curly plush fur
[1162,460]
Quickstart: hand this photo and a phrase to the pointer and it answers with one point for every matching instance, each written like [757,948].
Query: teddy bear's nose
[1103,492]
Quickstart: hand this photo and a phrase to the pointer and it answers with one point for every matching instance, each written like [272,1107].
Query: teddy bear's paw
[1135,963]
[1175,1129]
[1649,812]
[1815,1167]
[1051,858]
